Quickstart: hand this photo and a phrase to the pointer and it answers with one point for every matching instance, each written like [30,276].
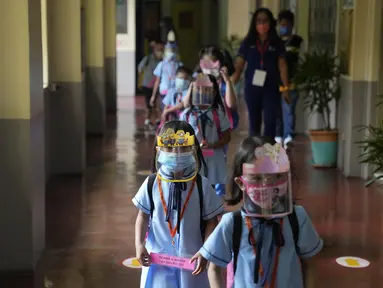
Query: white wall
[126,55]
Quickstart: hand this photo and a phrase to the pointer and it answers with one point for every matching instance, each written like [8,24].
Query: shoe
[147,122]
[288,141]
[278,140]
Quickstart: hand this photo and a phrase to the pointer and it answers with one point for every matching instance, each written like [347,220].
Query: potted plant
[231,44]
[372,150]
[317,76]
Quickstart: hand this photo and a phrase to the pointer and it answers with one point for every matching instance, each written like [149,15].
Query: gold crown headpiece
[171,138]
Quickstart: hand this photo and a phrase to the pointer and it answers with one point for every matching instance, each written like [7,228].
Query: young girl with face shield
[172,205]
[207,116]
[165,73]
[214,62]
[267,252]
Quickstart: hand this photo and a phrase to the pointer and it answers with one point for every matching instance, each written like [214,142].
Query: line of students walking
[180,204]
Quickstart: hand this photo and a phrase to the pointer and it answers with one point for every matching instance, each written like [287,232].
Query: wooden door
[187,17]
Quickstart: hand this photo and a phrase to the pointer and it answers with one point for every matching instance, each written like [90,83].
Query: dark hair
[187,128]
[244,154]
[286,15]
[183,69]
[252,34]
[222,55]
[217,103]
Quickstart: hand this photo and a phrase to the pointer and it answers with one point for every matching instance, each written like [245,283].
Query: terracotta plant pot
[324,146]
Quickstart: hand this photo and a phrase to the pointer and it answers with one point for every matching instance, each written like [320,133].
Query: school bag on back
[237,235]
[153,178]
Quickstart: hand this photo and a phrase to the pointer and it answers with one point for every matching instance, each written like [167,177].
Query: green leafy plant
[372,149]
[318,75]
[232,44]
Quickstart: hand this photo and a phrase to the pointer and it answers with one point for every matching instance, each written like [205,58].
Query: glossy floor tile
[90,220]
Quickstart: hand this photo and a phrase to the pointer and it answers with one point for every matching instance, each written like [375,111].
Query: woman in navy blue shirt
[263,52]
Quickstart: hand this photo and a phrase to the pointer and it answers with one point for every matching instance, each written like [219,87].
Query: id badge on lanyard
[259,77]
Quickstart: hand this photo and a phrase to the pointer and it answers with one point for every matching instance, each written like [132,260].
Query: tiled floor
[90,220]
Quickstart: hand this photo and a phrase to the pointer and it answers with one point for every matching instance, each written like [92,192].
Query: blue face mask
[182,84]
[284,31]
[169,55]
[176,162]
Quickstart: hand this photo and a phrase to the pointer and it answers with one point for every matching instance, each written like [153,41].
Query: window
[122,17]
[44,37]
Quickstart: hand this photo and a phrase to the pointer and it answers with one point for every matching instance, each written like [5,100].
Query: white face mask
[213,72]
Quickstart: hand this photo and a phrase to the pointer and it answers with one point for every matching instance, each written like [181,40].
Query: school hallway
[90,219]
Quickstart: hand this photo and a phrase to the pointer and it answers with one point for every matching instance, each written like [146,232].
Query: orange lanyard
[276,260]
[172,230]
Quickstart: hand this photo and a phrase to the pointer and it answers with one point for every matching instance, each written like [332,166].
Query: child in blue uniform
[270,237]
[165,73]
[173,100]
[215,62]
[207,116]
[181,204]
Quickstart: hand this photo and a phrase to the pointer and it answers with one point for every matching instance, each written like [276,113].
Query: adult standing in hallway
[293,44]
[263,53]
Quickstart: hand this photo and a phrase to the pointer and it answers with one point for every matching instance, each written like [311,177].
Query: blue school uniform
[173,97]
[166,70]
[216,164]
[218,249]
[264,99]
[187,242]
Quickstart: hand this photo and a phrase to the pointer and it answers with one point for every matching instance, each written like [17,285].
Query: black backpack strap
[151,180]
[237,234]
[200,195]
[293,219]
[294,223]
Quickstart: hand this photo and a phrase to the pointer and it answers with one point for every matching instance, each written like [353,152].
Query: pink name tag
[208,152]
[171,261]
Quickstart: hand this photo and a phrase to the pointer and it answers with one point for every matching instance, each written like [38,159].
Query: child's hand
[143,256]
[286,96]
[164,114]
[204,144]
[152,101]
[201,263]
[225,75]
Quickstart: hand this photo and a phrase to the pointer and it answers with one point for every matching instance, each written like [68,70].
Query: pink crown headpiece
[209,64]
[203,80]
[269,159]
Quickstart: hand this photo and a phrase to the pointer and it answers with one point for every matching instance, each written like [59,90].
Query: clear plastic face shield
[266,183]
[176,157]
[203,92]
[210,67]
[170,51]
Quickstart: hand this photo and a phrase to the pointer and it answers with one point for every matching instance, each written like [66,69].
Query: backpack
[153,178]
[237,233]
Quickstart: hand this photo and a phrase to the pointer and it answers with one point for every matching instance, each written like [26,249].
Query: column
[273,5]
[126,54]
[95,70]
[22,153]
[239,16]
[303,118]
[66,100]
[359,89]
[110,54]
